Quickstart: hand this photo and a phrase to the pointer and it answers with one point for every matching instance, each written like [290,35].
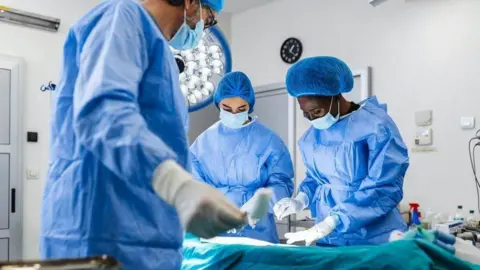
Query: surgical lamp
[202,68]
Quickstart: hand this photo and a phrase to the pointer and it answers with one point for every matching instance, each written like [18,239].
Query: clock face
[291,50]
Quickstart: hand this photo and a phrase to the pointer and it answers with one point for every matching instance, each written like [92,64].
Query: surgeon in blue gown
[238,155]
[118,180]
[354,156]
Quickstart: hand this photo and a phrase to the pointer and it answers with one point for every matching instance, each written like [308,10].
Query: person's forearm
[365,206]
[309,188]
[302,197]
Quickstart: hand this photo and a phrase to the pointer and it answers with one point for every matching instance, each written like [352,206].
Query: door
[4,249]
[4,159]
[4,191]
[273,107]
[10,217]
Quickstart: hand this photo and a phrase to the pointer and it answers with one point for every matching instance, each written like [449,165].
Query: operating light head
[203,67]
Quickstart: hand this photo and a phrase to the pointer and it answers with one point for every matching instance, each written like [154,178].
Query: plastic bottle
[436,219]
[472,219]
[459,213]
[428,220]
[415,214]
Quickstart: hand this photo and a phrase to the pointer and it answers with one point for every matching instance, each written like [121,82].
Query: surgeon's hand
[258,206]
[315,233]
[246,208]
[202,209]
[289,206]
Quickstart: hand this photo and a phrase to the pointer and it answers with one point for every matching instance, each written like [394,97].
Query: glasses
[211,20]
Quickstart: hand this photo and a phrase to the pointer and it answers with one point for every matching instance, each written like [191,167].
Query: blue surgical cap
[235,84]
[216,5]
[319,76]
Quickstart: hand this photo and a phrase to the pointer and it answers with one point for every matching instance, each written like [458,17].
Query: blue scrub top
[355,170]
[240,161]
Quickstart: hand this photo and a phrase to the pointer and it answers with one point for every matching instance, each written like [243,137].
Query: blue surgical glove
[315,233]
[289,206]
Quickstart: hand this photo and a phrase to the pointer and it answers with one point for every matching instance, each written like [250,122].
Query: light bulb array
[204,67]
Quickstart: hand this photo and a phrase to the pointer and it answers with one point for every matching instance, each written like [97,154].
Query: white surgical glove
[315,233]
[289,206]
[257,207]
[202,209]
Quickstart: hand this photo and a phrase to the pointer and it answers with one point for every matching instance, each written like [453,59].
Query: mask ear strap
[338,113]
[331,103]
[200,10]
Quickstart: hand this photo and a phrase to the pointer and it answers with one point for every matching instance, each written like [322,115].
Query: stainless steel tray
[101,262]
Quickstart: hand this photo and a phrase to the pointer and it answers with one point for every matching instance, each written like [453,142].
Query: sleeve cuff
[168,179]
[303,198]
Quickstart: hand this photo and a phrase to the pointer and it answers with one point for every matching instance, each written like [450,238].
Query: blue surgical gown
[240,161]
[355,170]
[118,113]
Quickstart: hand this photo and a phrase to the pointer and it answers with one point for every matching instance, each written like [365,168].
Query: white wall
[424,55]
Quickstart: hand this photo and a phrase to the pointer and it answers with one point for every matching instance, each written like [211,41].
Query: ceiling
[236,6]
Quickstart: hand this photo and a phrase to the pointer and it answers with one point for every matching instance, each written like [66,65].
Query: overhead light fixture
[203,67]
[375,3]
[29,19]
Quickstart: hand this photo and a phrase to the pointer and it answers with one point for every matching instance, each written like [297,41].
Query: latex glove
[257,207]
[315,233]
[202,209]
[289,206]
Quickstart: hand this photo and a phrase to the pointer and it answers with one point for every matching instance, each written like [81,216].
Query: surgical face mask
[233,120]
[187,38]
[327,120]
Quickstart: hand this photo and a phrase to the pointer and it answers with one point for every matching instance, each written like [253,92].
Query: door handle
[13,198]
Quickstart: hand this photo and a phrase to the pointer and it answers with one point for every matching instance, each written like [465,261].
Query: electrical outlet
[33,174]
[424,137]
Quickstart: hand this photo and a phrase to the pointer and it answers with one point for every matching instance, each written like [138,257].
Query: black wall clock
[291,50]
